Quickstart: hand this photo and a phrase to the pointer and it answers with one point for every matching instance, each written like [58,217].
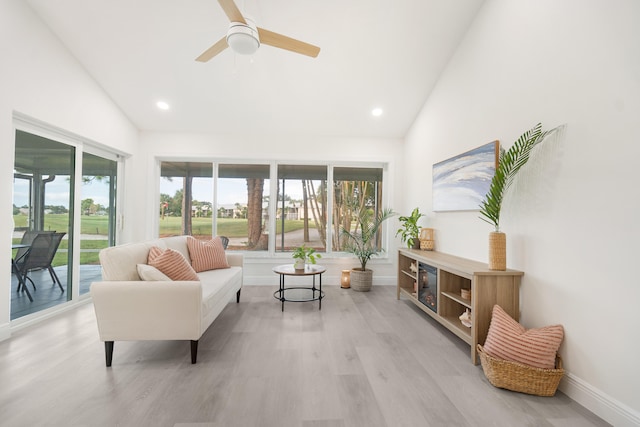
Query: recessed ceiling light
[376,112]
[162,105]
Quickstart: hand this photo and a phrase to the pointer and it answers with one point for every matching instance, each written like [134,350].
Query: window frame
[271,252]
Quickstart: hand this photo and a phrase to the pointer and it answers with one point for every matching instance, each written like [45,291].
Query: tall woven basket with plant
[362,242]
[509,163]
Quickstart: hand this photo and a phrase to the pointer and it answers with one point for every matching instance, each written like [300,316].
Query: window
[242,203]
[301,213]
[312,203]
[354,189]
[186,199]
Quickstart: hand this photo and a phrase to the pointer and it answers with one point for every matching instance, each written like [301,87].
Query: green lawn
[171,226]
[60,222]
[98,225]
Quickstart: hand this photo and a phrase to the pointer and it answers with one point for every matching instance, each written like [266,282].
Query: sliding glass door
[97,215]
[42,204]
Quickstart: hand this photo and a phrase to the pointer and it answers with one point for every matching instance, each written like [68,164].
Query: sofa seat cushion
[216,282]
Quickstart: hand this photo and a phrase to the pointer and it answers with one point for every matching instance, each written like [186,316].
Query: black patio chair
[40,256]
[27,239]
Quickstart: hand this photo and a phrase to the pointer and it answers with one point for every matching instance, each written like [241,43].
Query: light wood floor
[366,359]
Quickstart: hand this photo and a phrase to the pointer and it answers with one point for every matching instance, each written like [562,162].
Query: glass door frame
[81,144]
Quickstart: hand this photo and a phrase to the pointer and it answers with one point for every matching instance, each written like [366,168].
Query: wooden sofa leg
[108,352]
[194,351]
[238,296]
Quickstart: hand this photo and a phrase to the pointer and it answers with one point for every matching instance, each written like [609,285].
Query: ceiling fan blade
[287,43]
[232,11]
[213,50]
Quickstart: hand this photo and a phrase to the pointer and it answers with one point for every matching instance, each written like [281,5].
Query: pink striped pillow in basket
[207,255]
[509,340]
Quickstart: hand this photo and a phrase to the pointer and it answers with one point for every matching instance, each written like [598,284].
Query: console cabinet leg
[238,295]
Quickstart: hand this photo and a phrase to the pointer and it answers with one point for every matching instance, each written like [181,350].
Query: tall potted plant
[362,243]
[509,163]
[409,230]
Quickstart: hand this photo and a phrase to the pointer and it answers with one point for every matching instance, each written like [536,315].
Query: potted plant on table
[302,255]
[509,163]
[409,230]
[362,243]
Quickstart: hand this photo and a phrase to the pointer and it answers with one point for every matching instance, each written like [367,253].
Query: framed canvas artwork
[461,182]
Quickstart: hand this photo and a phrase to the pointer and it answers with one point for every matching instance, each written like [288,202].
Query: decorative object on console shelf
[459,183]
[302,255]
[509,164]
[427,241]
[362,242]
[465,318]
[413,267]
[409,230]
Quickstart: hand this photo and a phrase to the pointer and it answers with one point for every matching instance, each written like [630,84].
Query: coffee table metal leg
[282,291]
[320,296]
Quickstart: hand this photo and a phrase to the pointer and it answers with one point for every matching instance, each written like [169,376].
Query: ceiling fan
[245,38]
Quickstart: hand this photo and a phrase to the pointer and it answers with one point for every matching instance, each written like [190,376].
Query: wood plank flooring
[366,359]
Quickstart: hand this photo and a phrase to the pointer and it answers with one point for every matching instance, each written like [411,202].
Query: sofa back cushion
[120,263]
[178,243]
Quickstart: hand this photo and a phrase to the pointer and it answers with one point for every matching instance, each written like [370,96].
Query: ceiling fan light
[243,39]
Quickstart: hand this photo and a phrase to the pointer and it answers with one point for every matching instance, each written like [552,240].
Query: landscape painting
[461,182]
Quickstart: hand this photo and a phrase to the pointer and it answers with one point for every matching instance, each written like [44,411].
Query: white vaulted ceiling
[386,54]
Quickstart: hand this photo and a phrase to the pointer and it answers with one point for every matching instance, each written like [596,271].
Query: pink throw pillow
[509,340]
[207,255]
[171,263]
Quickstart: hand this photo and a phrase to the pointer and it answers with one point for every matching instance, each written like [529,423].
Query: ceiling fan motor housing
[243,38]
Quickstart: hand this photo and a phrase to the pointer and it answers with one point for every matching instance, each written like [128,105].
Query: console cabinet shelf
[434,281]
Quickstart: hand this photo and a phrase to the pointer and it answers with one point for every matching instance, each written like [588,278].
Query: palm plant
[509,164]
[362,241]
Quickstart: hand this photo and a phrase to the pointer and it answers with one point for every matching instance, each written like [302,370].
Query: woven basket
[426,245]
[522,378]
[361,281]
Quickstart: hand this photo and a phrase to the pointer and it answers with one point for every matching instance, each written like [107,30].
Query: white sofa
[130,309]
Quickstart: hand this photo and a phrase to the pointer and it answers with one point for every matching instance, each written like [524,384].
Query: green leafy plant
[509,163]
[306,254]
[409,231]
[362,241]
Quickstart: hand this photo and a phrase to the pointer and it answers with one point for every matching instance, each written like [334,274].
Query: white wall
[571,223]
[297,149]
[40,79]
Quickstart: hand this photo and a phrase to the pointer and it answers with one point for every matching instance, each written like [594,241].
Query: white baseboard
[5,332]
[601,404]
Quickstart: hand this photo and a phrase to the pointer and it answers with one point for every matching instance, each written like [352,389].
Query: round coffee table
[299,293]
